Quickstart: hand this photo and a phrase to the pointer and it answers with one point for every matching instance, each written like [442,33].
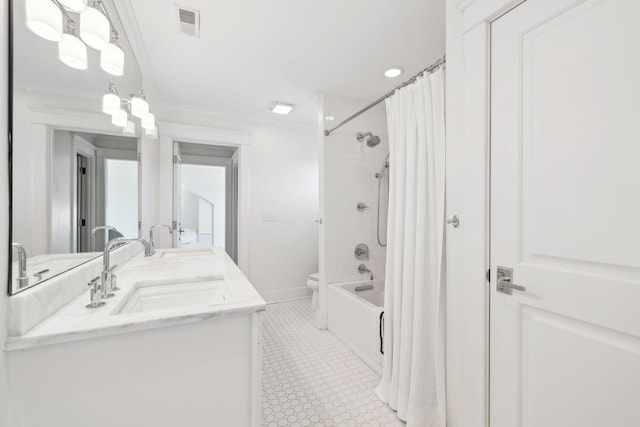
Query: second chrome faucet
[107,278]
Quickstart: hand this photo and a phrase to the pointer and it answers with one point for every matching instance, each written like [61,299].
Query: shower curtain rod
[429,69]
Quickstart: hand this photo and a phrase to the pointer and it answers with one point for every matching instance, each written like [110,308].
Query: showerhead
[372,140]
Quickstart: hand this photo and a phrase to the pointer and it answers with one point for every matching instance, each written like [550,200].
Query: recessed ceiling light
[281,108]
[393,72]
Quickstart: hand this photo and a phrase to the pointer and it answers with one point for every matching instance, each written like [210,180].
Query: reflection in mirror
[73,171]
[97,176]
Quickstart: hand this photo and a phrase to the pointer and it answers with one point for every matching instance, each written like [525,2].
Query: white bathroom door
[565,214]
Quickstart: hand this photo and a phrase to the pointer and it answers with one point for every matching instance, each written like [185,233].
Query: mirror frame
[10,138]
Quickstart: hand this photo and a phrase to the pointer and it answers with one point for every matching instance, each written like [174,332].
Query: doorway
[94,188]
[206,196]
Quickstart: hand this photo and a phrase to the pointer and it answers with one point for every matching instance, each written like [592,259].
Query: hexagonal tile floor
[309,378]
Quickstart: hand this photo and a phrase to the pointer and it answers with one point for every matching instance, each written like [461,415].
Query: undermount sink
[189,252]
[153,296]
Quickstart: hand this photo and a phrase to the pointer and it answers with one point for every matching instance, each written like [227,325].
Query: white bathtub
[354,317]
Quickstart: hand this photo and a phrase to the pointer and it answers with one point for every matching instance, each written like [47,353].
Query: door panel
[565,144]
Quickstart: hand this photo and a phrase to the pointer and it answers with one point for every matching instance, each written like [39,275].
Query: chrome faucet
[103,227]
[151,234]
[106,229]
[23,279]
[106,281]
[363,269]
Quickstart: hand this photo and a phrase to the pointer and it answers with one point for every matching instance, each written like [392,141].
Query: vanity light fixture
[71,50]
[148,121]
[112,58]
[281,108]
[44,18]
[95,30]
[151,133]
[139,105]
[52,20]
[329,117]
[393,72]
[111,101]
[120,118]
[76,6]
[123,110]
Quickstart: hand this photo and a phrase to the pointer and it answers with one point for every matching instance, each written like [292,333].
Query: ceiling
[253,52]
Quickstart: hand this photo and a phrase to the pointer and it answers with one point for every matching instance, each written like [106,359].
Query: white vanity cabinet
[204,373]
[196,365]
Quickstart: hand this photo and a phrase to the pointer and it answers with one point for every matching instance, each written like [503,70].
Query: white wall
[348,169]
[149,177]
[30,179]
[4,220]
[349,177]
[61,193]
[282,179]
[455,204]
[121,204]
[278,173]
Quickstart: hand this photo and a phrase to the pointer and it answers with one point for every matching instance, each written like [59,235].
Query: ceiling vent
[188,21]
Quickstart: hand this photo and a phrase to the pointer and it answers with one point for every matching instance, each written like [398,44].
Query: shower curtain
[413,368]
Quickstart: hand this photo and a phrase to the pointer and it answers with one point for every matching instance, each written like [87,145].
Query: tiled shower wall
[349,177]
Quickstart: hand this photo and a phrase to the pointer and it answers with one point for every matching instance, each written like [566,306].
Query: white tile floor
[309,378]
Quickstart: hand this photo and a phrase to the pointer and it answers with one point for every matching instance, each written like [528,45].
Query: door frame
[171,132]
[232,190]
[468,288]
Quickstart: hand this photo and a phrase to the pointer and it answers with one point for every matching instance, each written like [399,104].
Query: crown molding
[203,134]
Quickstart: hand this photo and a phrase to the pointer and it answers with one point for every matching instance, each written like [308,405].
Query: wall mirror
[75,176]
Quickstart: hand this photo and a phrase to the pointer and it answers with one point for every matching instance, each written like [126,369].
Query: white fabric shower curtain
[413,369]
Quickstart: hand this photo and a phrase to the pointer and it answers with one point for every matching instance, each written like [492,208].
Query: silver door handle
[455,221]
[507,284]
[504,285]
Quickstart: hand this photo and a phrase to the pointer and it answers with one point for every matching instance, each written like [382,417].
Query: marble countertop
[75,322]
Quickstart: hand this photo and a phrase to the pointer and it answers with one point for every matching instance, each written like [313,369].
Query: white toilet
[312,282]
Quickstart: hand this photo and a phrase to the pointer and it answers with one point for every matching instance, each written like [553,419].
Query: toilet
[312,282]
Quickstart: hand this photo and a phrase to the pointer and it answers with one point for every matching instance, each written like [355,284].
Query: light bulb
[393,72]
[44,19]
[129,129]
[94,28]
[139,106]
[112,60]
[148,121]
[74,5]
[151,133]
[72,52]
[110,103]
[120,118]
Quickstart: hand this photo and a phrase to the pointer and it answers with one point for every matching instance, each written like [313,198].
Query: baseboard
[283,295]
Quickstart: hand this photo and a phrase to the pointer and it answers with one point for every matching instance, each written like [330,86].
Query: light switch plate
[269,216]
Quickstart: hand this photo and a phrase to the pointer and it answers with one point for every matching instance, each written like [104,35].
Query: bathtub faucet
[363,269]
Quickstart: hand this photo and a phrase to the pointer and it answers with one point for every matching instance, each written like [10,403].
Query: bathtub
[355,319]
